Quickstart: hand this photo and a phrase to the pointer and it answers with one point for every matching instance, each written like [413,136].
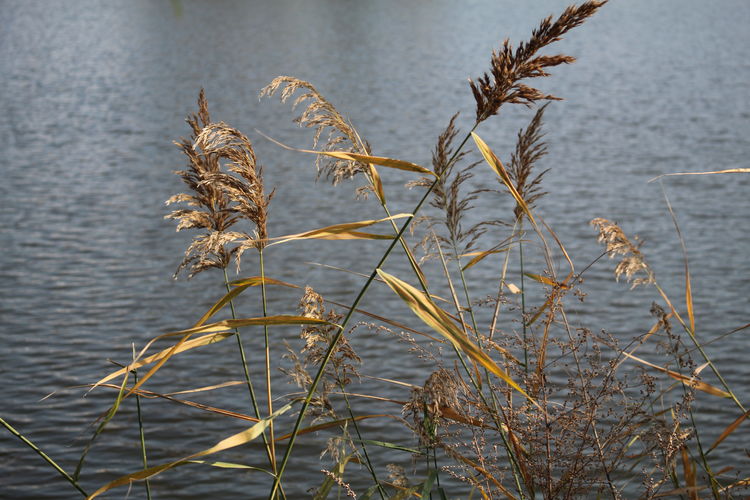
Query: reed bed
[518,403]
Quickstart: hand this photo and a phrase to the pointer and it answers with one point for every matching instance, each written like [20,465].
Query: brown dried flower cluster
[323,116]
[219,198]
[344,362]
[440,393]
[509,67]
[618,244]
[529,149]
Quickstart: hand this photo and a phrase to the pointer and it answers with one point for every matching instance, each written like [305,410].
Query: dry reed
[525,405]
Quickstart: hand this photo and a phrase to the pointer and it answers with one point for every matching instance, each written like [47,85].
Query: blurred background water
[94,92]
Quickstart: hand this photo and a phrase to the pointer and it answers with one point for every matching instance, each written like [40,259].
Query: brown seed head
[509,67]
[219,197]
[323,116]
[618,244]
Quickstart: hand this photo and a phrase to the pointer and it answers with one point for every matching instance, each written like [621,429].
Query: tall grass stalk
[246,374]
[271,441]
[141,432]
[44,456]
[580,427]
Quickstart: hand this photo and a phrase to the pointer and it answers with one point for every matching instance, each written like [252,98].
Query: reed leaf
[345,231]
[441,322]
[499,169]
[478,257]
[689,381]
[258,280]
[187,345]
[730,429]
[727,171]
[229,465]
[169,397]
[547,281]
[219,326]
[231,442]
[366,159]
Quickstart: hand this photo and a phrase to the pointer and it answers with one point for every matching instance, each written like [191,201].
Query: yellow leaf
[479,256]
[441,322]
[219,326]
[499,169]
[230,442]
[546,281]
[377,160]
[728,171]
[377,184]
[340,231]
[689,381]
[346,155]
[258,280]
[187,345]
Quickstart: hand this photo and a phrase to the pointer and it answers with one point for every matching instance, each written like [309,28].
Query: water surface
[94,93]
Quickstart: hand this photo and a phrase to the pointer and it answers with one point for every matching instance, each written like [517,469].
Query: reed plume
[211,205]
[509,67]
[529,150]
[226,185]
[321,115]
[344,361]
[447,196]
[617,243]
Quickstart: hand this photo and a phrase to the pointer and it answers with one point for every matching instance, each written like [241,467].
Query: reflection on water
[93,95]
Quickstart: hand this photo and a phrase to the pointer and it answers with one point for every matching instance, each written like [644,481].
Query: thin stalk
[272,442]
[495,405]
[248,382]
[503,273]
[141,433]
[698,346]
[691,329]
[342,328]
[44,456]
[334,341]
[466,293]
[381,491]
[523,295]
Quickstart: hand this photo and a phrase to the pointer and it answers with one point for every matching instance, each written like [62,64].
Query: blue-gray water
[93,93]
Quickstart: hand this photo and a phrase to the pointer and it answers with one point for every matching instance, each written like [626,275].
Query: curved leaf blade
[231,442]
[347,230]
[440,321]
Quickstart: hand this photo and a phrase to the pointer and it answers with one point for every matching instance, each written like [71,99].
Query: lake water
[93,93]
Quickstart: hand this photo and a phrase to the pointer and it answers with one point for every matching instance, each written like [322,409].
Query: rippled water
[93,93]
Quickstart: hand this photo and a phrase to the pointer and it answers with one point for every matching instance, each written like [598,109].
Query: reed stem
[272,442]
[246,372]
[141,432]
[44,456]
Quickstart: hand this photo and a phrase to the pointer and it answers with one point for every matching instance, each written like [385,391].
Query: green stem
[44,456]
[523,296]
[370,467]
[268,362]
[248,382]
[141,434]
[342,329]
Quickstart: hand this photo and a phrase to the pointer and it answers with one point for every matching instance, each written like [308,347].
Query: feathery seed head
[529,149]
[618,244]
[509,67]
[219,198]
[323,116]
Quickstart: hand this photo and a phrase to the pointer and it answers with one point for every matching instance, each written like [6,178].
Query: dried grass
[528,406]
